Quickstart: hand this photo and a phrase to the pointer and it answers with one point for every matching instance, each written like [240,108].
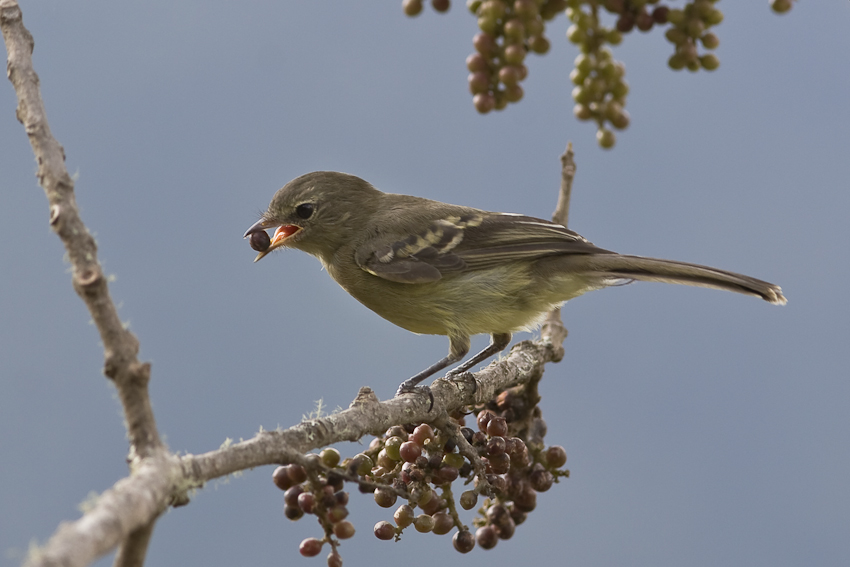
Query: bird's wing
[467,242]
[504,237]
[419,257]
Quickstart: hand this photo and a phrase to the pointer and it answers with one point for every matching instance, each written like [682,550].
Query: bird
[440,269]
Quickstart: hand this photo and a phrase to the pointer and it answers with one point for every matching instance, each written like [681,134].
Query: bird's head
[314,213]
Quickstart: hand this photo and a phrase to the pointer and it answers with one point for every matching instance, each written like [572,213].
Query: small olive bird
[440,269]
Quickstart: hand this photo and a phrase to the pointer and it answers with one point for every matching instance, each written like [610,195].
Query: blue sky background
[702,428]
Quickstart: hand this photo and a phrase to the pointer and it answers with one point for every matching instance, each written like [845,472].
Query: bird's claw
[463,376]
[403,389]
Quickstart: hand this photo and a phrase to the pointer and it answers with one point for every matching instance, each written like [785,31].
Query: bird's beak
[281,234]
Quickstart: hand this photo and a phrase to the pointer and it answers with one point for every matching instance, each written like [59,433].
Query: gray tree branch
[120,345]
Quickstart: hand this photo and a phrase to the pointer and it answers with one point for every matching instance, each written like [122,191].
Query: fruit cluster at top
[510,29]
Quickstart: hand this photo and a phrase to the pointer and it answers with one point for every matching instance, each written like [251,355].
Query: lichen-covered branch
[367,415]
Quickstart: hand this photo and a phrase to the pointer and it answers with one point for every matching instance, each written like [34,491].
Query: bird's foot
[463,376]
[406,388]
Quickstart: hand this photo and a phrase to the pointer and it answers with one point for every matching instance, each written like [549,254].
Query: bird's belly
[471,303]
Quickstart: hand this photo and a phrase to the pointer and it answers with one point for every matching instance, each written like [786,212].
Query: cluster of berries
[419,464]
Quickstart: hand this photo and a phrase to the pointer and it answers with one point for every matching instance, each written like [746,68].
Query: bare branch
[131,503]
[120,345]
[553,327]
[133,551]
[524,363]
[568,172]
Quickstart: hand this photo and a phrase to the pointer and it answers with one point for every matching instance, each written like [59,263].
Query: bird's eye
[304,210]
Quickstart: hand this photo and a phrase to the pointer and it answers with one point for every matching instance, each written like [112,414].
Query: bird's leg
[498,343]
[458,347]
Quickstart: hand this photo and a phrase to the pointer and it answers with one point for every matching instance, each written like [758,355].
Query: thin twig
[120,346]
[121,364]
[553,328]
[568,172]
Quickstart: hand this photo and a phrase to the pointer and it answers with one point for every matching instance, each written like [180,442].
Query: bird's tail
[670,271]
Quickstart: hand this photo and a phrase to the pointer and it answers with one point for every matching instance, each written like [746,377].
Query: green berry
[781,6]
[714,17]
[492,8]
[488,25]
[513,93]
[620,120]
[363,464]
[453,460]
[606,138]
[709,62]
[695,28]
[538,44]
[583,64]
[514,30]
[620,89]
[675,16]
[582,112]
[404,516]
[423,523]
[582,95]
[675,35]
[525,9]
[330,457]
[514,54]
[710,41]
[393,443]
[577,77]
[576,35]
